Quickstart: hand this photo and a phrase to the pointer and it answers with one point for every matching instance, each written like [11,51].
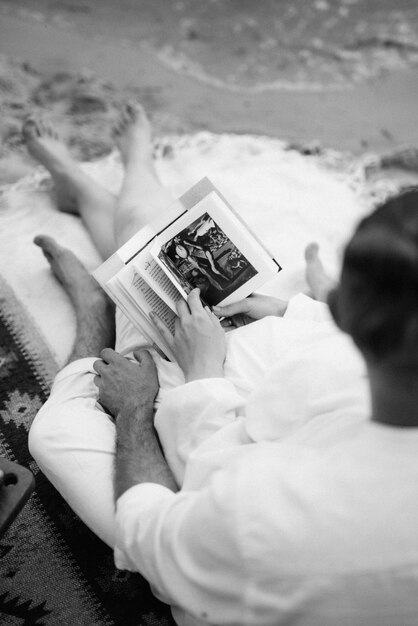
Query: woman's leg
[76,191]
[142,197]
[110,221]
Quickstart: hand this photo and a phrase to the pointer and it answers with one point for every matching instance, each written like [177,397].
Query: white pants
[73,439]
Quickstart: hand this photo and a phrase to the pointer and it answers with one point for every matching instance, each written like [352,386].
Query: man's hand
[124,385]
[199,340]
[255,307]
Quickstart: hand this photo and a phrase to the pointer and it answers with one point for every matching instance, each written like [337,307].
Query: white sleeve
[188,415]
[185,545]
[304,308]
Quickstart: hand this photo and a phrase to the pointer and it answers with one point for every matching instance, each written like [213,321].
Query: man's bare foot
[83,291]
[132,134]
[44,145]
[94,311]
[319,282]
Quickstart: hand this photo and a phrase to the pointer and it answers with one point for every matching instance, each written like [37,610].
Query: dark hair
[377,300]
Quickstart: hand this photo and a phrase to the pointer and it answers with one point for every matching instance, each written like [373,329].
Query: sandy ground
[328,73]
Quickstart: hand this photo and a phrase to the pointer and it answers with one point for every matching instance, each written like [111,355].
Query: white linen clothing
[294,508]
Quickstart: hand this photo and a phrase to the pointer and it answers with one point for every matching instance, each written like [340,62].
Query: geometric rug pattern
[53,570]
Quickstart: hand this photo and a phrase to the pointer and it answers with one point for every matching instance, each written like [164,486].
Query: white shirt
[295,509]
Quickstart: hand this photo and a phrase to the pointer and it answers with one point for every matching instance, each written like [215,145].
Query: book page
[138,318]
[145,297]
[210,248]
[152,303]
[146,266]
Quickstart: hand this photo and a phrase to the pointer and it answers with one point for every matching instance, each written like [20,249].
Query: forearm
[139,458]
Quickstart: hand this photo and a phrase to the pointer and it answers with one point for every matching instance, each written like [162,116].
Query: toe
[47,129]
[126,116]
[30,128]
[134,109]
[311,251]
[47,244]
[117,128]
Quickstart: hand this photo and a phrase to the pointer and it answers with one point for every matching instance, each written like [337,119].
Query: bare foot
[319,282]
[44,145]
[81,288]
[132,134]
[94,311]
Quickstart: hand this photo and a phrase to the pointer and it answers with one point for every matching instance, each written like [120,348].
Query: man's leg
[72,438]
[95,313]
[76,192]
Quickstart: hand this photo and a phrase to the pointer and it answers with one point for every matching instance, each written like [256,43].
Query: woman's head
[377,299]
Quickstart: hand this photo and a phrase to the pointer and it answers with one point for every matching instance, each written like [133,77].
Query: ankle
[95,328]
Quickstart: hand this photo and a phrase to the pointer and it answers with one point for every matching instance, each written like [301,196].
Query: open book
[199,241]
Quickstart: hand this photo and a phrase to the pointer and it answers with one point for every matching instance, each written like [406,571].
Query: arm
[139,458]
[255,307]
[127,390]
[187,546]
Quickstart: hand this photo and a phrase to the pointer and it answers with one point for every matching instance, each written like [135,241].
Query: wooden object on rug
[16,486]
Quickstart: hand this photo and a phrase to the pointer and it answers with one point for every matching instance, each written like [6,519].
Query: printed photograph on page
[202,255]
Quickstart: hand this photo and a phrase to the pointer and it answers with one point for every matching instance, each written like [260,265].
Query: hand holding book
[200,242]
[198,344]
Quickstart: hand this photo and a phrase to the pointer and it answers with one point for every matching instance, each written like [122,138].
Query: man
[266,506]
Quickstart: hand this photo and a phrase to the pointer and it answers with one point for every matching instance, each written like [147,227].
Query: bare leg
[94,312]
[142,197]
[319,282]
[76,192]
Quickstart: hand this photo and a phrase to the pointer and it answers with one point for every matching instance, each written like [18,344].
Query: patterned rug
[53,570]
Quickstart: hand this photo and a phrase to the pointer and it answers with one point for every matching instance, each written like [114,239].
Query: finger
[182,309]
[99,366]
[108,355]
[194,301]
[227,323]
[240,319]
[231,309]
[138,355]
[177,327]
[209,312]
[143,356]
[162,328]
[212,316]
[97,380]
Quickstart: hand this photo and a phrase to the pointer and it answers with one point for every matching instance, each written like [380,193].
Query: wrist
[280,307]
[138,411]
[201,373]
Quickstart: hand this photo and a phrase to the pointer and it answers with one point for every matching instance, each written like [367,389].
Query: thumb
[143,356]
[231,309]
[140,355]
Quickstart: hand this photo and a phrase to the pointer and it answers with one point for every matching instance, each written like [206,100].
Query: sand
[339,74]
[305,126]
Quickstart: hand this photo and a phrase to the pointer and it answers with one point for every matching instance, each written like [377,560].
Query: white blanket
[287,198]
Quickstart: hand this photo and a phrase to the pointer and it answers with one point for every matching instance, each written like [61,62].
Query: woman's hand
[199,340]
[250,309]
[124,385]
